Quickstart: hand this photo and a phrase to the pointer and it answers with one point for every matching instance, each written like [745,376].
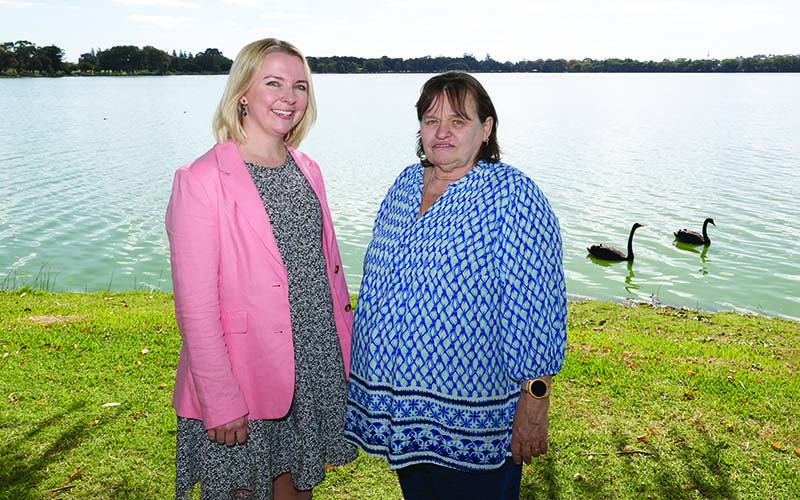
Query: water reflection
[630,286]
[703,253]
[686,246]
[701,250]
[603,262]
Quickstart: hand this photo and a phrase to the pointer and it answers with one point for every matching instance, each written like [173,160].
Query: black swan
[606,252]
[693,237]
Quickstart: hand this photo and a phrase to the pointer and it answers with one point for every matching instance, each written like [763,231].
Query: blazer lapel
[315,181]
[236,180]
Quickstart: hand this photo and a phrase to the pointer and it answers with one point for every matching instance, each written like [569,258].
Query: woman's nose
[289,95]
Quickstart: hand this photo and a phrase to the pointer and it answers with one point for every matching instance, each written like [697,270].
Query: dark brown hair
[457,86]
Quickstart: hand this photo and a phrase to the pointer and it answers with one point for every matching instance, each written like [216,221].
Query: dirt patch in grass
[49,319]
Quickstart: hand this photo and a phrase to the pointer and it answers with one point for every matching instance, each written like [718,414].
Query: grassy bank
[652,403]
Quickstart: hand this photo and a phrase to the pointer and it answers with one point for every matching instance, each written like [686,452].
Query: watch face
[538,388]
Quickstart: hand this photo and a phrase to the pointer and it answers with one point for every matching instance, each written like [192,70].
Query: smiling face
[451,140]
[277,98]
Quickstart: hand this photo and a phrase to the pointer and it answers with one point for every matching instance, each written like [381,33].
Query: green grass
[652,403]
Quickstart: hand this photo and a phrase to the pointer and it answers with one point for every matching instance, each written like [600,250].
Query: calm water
[86,168]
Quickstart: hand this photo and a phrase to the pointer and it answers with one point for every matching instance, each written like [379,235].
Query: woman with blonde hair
[260,295]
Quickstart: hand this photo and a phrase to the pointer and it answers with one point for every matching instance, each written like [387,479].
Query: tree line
[25,58]
[754,64]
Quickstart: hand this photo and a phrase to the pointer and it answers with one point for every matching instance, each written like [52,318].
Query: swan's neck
[630,245]
[705,232]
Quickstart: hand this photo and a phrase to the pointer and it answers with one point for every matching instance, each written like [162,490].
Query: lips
[283,113]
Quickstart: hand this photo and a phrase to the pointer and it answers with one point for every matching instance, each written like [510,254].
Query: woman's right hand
[231,433]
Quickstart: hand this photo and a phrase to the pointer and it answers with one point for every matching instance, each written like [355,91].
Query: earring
[486,142]
[242,108]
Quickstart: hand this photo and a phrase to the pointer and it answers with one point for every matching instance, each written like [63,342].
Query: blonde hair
[227,123]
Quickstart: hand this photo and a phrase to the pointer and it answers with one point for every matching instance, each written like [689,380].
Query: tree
[554,66]
[24,51]
[121,59]
[55,57]
[489,65]
[374,66]
[729,65]
[8,60]
[85,67]
[212,61]
[35,64]
[748,64]
[176,61]
[155,60]
[89,57]
[189,66]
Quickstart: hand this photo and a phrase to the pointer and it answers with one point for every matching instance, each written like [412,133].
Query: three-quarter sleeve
[533,298]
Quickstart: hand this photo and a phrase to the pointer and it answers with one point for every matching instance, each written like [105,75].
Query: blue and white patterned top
[455,308]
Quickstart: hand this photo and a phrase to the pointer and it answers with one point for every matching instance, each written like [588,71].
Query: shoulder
[506,183]
[308,167]
[210,161]
[204,174]
[514,182]
[199,174]
[505,173]
[402,190]
[406,182]
[303,160]
[409,174]
[413,169]
[519,197]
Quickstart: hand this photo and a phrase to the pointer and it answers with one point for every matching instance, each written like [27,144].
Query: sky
[505,30]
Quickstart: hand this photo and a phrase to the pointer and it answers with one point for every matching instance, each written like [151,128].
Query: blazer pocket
[234,322]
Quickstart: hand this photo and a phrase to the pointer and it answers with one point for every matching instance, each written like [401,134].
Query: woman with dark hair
[461,318]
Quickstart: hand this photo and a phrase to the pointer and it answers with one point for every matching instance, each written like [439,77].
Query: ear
[487,127]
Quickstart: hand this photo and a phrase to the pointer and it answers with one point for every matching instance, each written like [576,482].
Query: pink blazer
[231,296]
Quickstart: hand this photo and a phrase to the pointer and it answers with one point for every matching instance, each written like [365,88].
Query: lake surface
[86,168]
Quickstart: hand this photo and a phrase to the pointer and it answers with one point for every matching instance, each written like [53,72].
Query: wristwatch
[538,388]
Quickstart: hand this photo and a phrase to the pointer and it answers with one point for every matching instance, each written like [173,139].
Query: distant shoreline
[135,75]
[80,75]
[23,58]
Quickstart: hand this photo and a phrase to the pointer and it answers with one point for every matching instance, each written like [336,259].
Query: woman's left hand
[529,430]
[234,432]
